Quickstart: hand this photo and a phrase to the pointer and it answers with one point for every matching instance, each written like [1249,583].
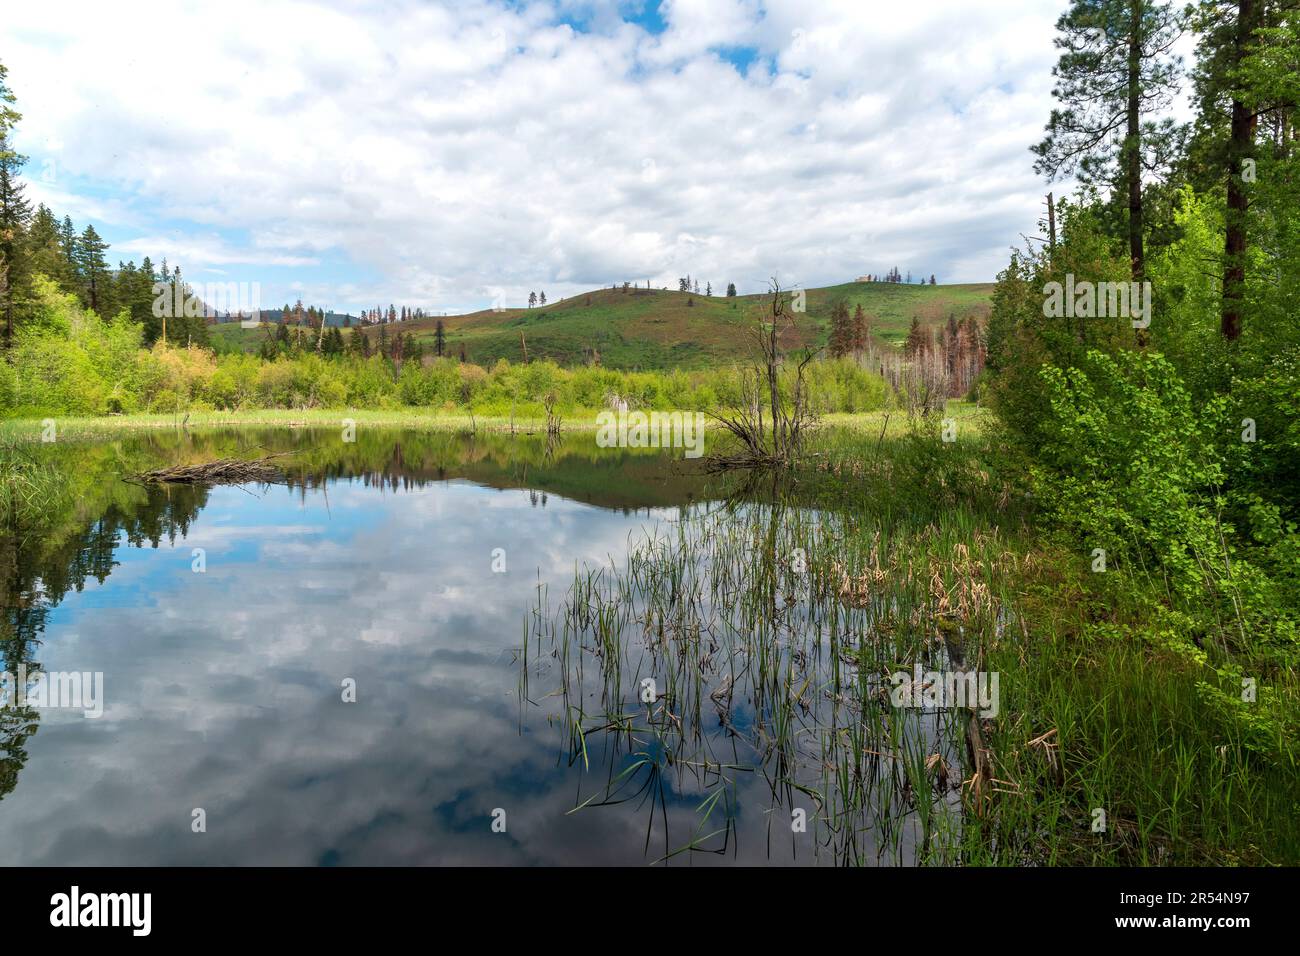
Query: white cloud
[447,150]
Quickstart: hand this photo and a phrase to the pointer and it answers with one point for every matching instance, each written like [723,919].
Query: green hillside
[655,329]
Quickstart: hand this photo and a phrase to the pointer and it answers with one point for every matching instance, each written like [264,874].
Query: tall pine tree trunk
[1133,142]
[1239,147]
[5,301]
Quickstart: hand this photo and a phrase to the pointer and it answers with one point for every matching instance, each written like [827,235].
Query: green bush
[1128,465]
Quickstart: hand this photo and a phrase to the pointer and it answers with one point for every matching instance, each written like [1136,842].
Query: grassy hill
[654,329]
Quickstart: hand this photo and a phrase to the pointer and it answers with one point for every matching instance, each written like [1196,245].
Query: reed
[771,619]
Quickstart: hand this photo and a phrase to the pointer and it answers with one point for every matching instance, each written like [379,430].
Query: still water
[233,625]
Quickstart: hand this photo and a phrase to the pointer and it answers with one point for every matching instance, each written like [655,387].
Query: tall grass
[29,485]
[770,630]
[913,551]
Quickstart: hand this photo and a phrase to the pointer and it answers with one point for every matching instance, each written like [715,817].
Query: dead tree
[779,442]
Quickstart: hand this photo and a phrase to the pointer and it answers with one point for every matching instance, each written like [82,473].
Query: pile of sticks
[223,471]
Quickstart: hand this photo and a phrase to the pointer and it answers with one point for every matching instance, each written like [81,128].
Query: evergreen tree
[15,210]
[1233,101]
[333,344]
[45,250]
[68,239]
[139,300]
[841,335]
[439,340]
[860,330]
[1115,72]
[93,267]
[917,341]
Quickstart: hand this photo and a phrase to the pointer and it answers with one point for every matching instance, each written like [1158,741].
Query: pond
[432,648]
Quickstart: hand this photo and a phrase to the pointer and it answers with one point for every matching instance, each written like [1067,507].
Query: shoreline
[29,430]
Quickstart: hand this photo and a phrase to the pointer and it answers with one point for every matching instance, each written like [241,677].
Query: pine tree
[14,207]
[1116,70]
[45,250]
[332,343]
[1233,103]
[917,341]
[15,211]
[860,330]
[139,300]
[439,340]
[68,238]
[841,335]
[90,259]
[731,290]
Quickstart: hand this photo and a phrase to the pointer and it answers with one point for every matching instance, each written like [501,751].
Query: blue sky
[458,155]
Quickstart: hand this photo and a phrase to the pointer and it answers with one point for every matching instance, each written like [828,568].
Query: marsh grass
[770,630]
[29,484]
[915,551]
[72,429]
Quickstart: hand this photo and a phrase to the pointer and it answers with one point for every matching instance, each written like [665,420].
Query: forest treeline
[36,243]
[68,361]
